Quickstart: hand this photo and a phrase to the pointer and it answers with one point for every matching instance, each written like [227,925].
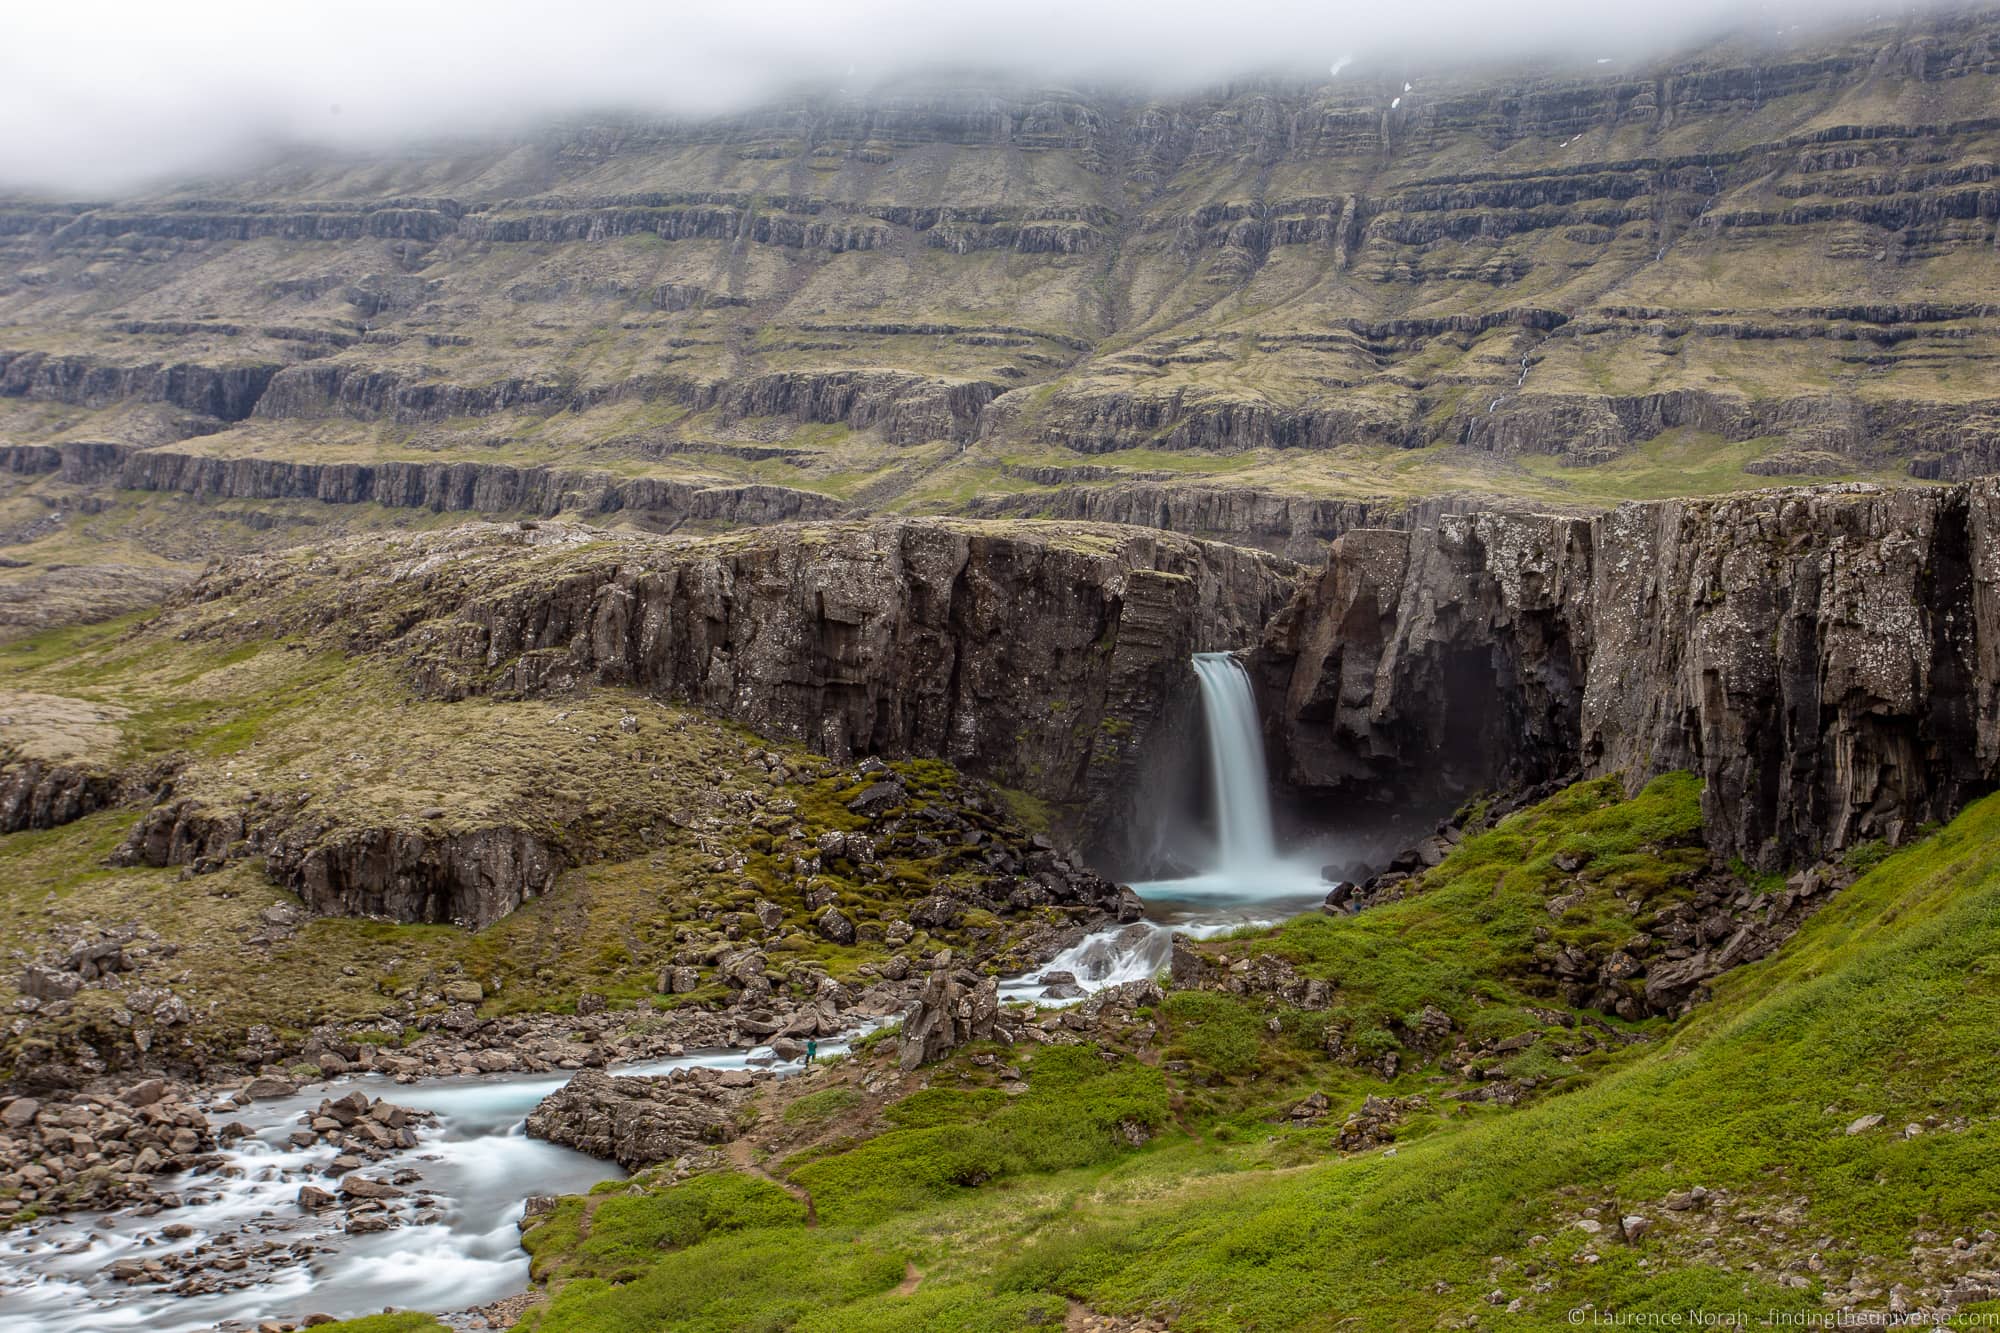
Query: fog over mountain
[104,96]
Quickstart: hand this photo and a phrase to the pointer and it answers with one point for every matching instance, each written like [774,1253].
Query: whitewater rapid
[477,1162]
[476,1159]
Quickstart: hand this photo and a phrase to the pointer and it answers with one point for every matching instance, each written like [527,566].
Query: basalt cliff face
[1828,660]
[1000,299]
[1047,657]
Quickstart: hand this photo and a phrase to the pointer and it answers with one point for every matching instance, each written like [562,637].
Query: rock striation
[489,488]
[1747,189]
[1826,659]
[958,640]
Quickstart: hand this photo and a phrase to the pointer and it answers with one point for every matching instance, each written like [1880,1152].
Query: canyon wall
[1561,260]
[1826,659]
[1047,656]
[489,488]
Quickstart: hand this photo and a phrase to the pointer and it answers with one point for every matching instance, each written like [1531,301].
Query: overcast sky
[98,96]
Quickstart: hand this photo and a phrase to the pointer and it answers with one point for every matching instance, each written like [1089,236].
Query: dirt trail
[742,1155]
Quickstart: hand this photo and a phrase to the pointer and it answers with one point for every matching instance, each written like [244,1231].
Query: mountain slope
[1587,283]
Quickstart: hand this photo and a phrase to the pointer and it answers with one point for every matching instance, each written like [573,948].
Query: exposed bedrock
[1044,656]
[35,794]
[471,877]
[1932,440]
[1826,659]
[42,794]
[490,488]
[906,407]
[226,392]
[1295,526]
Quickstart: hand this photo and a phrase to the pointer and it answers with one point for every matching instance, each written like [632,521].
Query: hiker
[812,1050]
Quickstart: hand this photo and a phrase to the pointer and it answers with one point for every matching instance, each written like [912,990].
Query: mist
[101,97]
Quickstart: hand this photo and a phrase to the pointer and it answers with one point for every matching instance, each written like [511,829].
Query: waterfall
[1235,765]
[1247,883]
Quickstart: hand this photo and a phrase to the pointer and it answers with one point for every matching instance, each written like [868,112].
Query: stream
[476,1159]
[478,1165]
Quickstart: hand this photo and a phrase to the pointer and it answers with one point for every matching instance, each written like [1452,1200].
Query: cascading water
[1246,867]
[1244,840]
[1246,881]
[53,1275]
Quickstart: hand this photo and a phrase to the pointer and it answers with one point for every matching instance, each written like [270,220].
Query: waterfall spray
[1247,882]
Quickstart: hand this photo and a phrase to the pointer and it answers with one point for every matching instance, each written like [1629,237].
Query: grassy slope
[671,811]
[1883,1004]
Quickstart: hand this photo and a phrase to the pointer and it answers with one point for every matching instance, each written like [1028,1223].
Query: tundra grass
[1882,1005]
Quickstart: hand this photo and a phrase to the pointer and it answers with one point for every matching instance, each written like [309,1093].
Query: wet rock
[638,1122]
[953,1008]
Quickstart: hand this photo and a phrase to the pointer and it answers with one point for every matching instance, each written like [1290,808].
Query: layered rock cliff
[1828,660]
[486,488]
[1783,248]
[1045,656]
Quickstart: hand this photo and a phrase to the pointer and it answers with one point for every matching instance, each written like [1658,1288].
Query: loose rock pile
[98,1151]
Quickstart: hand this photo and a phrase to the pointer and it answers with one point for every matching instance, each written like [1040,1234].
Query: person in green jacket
[812,1050]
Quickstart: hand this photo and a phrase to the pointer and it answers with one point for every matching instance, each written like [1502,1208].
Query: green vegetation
[614,1234]
[654,807]
[1078,1110]
[1879,1007]
[403,1321]
[817,1107]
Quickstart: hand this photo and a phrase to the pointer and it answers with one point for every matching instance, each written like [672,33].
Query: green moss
[403,1321]
[1070,1116]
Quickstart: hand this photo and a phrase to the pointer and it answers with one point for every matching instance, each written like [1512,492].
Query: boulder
[638,1122]
[833,925]
[678,980]
[937,912]
[144,1093]
[878,799]
[361,1187]
[953,1008]
[42,983]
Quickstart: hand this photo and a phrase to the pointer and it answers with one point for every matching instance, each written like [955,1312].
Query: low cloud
[101,96]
